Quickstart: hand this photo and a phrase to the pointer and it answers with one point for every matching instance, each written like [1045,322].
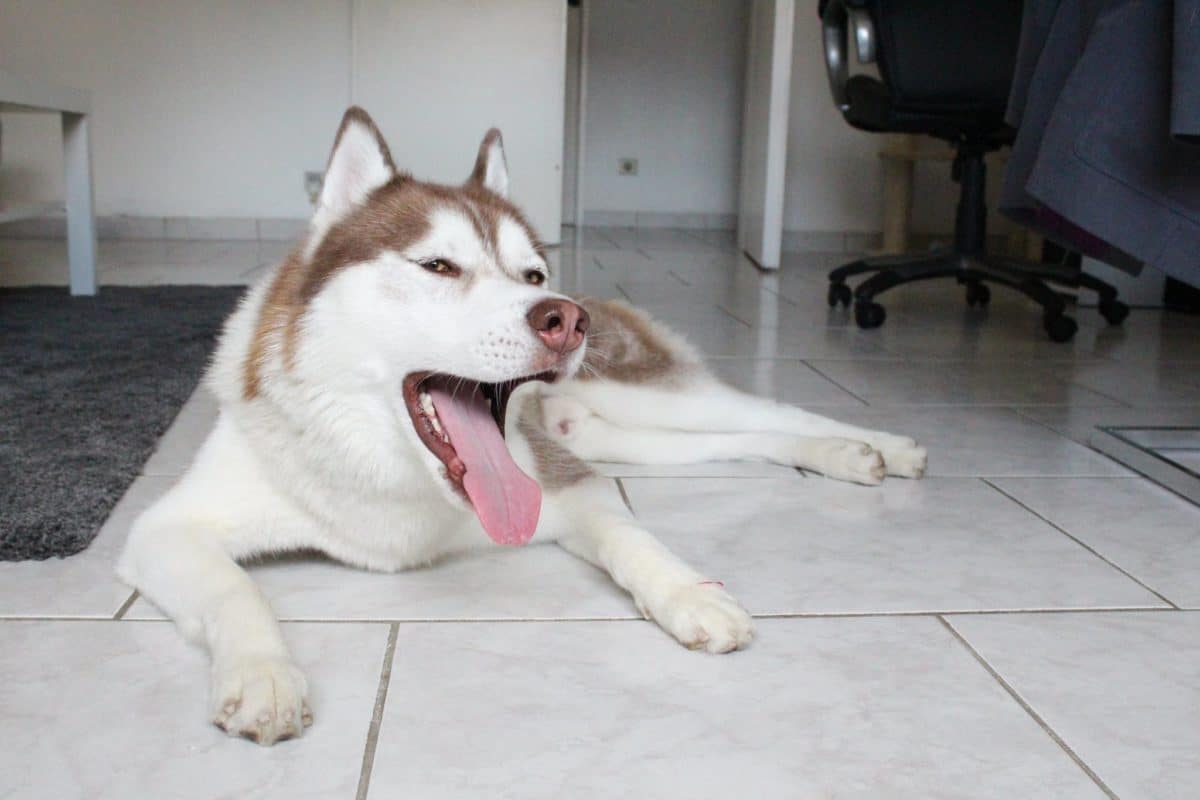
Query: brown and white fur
[314,447]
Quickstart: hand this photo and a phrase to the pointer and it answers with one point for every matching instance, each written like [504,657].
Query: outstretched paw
[903,457]
[705,617]
[264,700]
[849,460]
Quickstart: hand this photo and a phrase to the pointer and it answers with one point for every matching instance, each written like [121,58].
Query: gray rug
[87,386]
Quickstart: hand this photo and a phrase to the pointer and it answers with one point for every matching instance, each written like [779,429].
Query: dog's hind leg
[593,438]
[180,555]
[588,521]
[705,404]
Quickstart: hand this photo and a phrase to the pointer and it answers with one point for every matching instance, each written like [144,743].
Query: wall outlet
[627,166]
[312,185]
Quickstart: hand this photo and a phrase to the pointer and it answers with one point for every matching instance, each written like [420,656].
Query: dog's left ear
[491,168]
[359,164]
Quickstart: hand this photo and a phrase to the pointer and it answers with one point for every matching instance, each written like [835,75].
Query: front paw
[903,457]
[264,700]
[705,617]
[849,460]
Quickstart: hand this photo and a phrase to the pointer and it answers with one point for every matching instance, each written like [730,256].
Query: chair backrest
[936,54]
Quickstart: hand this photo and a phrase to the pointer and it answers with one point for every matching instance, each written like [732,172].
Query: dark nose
[559,323]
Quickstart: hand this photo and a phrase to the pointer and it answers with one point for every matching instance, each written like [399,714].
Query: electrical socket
[313,181]
[627,166]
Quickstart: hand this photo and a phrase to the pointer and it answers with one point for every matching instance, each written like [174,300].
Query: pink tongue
[506,500]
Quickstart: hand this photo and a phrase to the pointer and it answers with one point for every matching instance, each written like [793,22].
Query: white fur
[326,457]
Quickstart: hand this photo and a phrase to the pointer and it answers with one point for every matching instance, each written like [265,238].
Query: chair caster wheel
[839,293]
[868,314]
[978,295]
[1114,311]
[1060,328]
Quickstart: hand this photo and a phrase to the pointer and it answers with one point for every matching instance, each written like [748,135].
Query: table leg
[81,220]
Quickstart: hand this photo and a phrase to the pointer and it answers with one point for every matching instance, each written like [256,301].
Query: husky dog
[404,386]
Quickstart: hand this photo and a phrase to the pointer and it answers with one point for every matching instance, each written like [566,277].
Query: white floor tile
[179,444]
[1142,528]
[1146,383]
[816,708]
[85,584]
[985,442]
[119,710]
[789,380]
[825,547]
[1120,689]
[891,383]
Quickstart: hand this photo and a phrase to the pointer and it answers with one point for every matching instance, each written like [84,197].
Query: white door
[764,130]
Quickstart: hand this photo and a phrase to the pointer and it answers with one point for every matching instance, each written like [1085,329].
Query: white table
[18,93]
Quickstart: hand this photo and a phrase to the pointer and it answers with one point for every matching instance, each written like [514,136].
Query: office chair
[944,71]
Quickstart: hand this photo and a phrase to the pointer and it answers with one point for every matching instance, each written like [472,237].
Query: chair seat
[872,108]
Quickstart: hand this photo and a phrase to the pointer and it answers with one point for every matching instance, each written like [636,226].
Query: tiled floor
[1023,623]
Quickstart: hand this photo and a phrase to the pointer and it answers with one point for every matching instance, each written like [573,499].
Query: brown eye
[534,276]
[440,266]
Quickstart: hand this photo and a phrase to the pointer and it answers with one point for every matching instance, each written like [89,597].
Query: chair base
[975,271]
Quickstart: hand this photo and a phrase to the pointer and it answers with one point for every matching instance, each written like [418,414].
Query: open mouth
[461,422]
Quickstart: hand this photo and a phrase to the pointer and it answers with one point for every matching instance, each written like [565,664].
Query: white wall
[664,87]
[216,108]
[437,74]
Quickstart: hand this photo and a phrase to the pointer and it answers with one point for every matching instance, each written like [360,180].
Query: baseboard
[122,226]
[274,229]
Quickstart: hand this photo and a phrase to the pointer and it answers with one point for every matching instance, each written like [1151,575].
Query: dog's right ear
[359,164]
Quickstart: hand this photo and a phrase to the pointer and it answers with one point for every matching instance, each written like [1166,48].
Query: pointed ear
[359,164]
[491,168]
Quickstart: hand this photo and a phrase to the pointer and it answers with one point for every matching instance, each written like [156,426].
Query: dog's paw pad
[704,617]
[262,700]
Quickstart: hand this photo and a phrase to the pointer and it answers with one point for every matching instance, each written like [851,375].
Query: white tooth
[427,405]
[437,426]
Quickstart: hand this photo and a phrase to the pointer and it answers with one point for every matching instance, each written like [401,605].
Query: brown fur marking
[557,467]
[624,347]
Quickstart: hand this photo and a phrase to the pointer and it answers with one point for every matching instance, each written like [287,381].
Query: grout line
[966,612]
[624,494]
[125,606]
[385,678]
[809,364]
[596,261]
[732,315]
[643,253]
[1028,709]
[678,277]
[624,293]
[1081,543]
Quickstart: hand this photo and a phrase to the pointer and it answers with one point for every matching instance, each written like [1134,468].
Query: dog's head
[436,294]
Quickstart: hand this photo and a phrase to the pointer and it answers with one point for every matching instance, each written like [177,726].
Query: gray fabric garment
[1095,165]
[87,386]
[1185,72]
